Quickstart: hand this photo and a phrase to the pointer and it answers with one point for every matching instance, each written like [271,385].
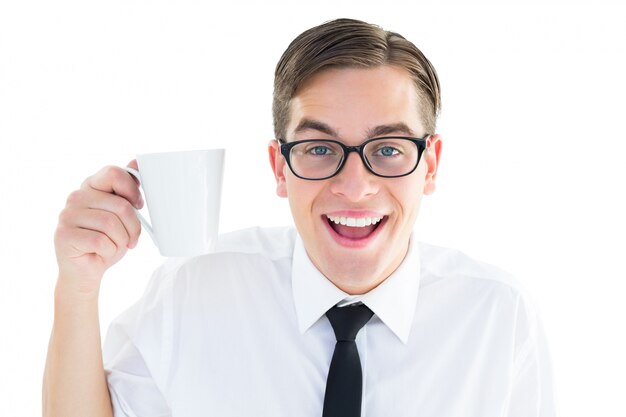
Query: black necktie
[345,380]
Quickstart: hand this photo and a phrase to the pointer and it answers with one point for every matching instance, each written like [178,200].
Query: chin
[356,271]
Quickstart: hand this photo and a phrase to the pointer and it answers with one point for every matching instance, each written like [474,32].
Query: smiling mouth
[354,227]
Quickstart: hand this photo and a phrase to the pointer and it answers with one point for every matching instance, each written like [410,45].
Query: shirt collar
[393,301]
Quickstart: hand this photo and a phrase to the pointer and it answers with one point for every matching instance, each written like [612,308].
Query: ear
[278,163]
[432,156]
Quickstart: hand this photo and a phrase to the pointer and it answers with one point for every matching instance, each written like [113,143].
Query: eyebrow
[387,129]
[381,130]
[310,124]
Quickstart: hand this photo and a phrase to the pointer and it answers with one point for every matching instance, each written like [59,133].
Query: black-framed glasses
[320,159]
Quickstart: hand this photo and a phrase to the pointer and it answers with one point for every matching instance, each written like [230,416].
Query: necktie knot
[347,321]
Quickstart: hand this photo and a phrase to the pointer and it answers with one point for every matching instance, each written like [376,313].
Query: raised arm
[95,229]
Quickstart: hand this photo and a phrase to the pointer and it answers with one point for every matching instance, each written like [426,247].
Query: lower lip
[354,243]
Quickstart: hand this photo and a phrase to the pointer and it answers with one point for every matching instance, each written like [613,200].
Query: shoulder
[471,283]
[273,243]
[468,282]
[245,264]
[245,257]
[441,263]
[241,249]
[461,291]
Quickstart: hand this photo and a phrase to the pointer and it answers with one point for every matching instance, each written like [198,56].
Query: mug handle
[143,221]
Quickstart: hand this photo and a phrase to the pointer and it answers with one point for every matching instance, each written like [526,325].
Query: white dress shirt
[242,332]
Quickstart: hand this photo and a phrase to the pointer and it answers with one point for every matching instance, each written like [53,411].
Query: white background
[532,175]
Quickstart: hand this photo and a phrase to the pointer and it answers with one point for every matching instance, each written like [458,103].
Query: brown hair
[345,43]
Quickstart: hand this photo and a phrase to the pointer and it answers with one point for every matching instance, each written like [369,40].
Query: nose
[354,182]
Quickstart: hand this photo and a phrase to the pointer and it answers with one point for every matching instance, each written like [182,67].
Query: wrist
[76,290]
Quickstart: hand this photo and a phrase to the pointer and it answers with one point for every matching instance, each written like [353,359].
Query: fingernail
[140,202]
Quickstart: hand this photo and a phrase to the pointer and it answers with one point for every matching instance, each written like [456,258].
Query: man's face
[351,106]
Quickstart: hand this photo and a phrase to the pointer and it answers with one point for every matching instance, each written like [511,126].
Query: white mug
[183,193]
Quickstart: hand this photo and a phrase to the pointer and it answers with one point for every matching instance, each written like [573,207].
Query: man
[345,316]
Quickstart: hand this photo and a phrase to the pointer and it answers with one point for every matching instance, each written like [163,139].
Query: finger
[79,242]
[133,164]
[99,221]
[94,199]
[121,207]
[115,180]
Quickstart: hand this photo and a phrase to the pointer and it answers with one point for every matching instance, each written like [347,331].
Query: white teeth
[354,221]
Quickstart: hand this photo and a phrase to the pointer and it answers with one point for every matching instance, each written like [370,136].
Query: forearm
[74,378]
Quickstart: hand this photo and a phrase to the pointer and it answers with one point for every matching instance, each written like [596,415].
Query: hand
[96,227]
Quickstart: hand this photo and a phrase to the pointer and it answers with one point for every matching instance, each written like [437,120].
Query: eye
[319,150]
[386,151]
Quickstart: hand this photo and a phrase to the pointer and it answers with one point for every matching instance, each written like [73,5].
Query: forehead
[354,100]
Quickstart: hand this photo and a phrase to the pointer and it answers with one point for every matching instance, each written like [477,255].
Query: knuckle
[74,198]
[118,174]
[125,210]
[61,234]
[108,221]
[86,183]
[110,171]
[99,242]
[110,174]
[65,216]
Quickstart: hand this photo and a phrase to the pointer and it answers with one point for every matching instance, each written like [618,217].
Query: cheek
[302,196]
[408,195]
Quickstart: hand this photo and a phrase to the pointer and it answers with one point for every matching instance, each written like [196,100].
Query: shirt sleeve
[532,388]
[137,353]
[134,393]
